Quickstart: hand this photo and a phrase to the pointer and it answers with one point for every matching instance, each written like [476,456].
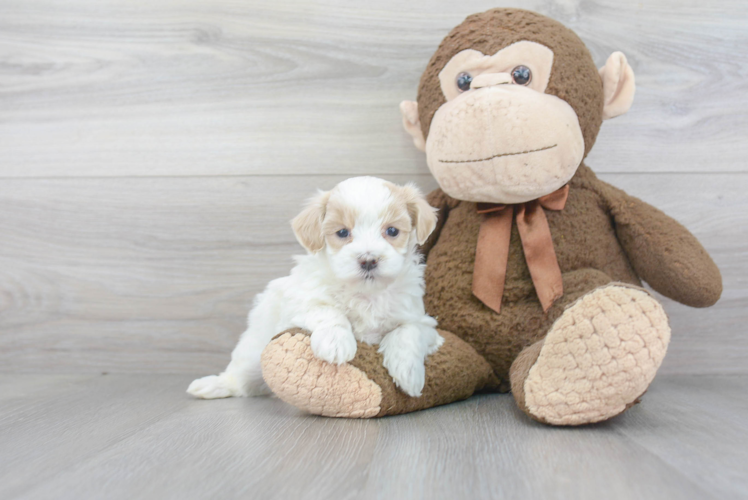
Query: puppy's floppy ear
[307,226]
[421,213]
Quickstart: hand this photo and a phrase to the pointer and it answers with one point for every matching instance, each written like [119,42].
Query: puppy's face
[367,226]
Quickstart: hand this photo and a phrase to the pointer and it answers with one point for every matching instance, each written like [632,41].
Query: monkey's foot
[362,388]
[598,358]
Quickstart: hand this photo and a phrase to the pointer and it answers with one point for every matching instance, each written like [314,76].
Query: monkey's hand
[664,253]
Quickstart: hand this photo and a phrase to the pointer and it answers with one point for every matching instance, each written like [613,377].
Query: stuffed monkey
[535,268]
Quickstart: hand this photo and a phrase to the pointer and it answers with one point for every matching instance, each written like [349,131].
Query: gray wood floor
[140,436]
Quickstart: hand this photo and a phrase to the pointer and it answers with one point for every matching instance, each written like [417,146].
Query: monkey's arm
[663,252]
[438,199]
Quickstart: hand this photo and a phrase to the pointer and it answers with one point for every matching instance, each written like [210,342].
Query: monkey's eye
[343,233]
[463,81]
[521,75]
[392,231]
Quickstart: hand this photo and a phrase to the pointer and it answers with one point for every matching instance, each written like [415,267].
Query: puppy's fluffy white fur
[362,279]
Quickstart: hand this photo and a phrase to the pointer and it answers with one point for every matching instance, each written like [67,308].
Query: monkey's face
[510,104]
[499,137]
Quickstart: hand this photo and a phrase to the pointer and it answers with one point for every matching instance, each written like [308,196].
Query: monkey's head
[510,104]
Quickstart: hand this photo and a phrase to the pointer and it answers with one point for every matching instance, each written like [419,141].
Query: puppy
[362,279]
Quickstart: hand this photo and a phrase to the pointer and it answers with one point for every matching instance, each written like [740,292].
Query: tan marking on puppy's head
[339,216]
[395,216]
[307,226]
[408,201]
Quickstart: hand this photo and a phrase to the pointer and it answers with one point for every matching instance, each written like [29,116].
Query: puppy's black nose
[368,264]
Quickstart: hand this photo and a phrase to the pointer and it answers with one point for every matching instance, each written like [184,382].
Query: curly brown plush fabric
[589,252]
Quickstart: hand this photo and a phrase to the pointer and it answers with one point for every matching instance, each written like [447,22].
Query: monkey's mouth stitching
[499,155]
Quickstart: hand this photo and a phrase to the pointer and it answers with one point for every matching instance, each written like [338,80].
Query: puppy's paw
[435,341]
[408,372]
[336,345]
[214,387]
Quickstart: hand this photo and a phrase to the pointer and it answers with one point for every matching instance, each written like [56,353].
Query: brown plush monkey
[534,270]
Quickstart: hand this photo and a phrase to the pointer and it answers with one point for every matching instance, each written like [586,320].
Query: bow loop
[488,208]
[555,201]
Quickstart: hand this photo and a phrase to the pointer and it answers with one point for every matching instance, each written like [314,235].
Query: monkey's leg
[598,358]
[362,388]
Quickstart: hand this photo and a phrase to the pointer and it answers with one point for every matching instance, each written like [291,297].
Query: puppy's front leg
[332,337]
[405,349]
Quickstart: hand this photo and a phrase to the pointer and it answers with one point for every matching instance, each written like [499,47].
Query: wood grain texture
[173,87]
[710,409]
[157,274]
[50,431]
[137,436]
[153,153]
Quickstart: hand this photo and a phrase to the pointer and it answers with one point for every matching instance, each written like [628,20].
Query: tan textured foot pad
[598,358]
[300,379]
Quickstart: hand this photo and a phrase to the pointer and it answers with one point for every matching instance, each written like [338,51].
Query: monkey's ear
[307,226]
[412,123]
[618,85]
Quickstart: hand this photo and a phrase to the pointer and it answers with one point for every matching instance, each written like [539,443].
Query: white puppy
[362,279]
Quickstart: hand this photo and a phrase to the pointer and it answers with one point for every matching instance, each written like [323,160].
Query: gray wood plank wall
[153,151]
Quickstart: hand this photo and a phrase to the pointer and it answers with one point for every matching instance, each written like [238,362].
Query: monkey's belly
[500,337]
[588,253]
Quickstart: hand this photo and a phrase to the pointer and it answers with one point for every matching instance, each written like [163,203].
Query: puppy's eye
[392,231]
[463,81]
[521,75]
[343,233]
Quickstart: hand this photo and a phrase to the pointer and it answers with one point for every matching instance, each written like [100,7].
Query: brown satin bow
[492,253]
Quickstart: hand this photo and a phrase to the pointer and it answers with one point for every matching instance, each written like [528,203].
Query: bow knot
[492,254]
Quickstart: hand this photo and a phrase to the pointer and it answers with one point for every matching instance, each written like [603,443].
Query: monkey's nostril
[368,264]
